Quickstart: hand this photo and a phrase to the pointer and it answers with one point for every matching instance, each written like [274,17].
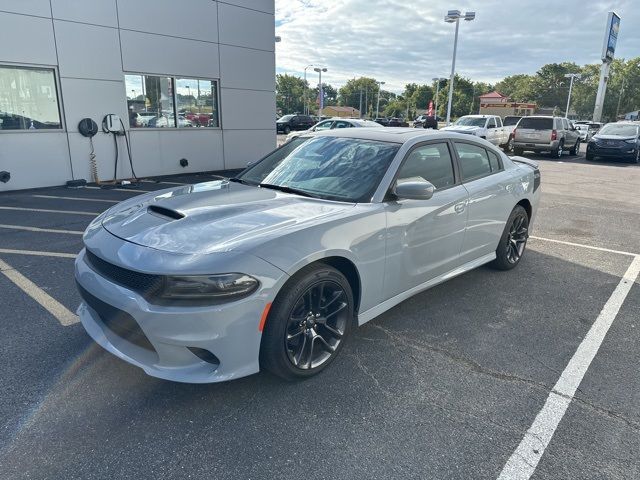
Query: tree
[289,93]
[330,96]
[517,87]
[359,92]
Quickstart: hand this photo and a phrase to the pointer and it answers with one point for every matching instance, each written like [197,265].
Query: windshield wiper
[284,188]
[242,181]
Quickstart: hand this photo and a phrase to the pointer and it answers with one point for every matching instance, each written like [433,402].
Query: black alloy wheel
[513,240]
[287,130]
[308,323]
[316,325]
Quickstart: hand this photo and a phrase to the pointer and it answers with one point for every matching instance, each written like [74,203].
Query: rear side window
[474,161]
[431,163]
[493,161]
[508,121]
[536,123]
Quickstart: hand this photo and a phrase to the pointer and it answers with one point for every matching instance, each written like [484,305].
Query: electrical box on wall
[111,123]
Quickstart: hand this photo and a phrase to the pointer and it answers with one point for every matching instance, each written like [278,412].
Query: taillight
[554,135]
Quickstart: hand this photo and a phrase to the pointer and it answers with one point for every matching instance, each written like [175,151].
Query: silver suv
[546,134]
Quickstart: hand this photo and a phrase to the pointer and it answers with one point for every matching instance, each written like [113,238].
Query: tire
[557,152]
[308,323]
[287,130]
[589,157]
[508,148]
[513,241]
[518,152]
[637,159]
[576,148]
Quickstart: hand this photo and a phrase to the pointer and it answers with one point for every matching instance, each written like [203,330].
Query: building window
[168,102]
[28,99]
[197,102]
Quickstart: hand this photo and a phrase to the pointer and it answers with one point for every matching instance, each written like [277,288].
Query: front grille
[118,321]
[145,284]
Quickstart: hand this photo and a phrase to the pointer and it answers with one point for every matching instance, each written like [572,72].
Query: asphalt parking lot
[464,381]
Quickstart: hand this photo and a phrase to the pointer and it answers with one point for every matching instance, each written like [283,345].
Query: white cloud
[400,41]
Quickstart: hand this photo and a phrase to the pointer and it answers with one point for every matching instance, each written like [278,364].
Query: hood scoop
[164,212]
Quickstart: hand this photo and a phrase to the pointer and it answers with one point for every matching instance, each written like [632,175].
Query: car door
[424,237]
[493,134]
[489,198]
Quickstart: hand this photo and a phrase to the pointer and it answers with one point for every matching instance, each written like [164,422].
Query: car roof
[390,134]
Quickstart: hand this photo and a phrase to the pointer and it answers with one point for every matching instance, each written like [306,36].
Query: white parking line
[84,199]
[524,460]
[37,253]
[36,229]
[572,244]
[55,308]
[43,210]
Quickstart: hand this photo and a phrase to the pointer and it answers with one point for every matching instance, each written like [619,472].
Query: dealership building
[179,87]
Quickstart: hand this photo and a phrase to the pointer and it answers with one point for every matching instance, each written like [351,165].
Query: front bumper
[165,340]
[623,153]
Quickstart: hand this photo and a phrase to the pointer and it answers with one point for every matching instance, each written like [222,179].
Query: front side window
[333,168]
[28,99]
[492,123]
[323,125]
[431,163]
[166,102]
[342,124]
[473,161]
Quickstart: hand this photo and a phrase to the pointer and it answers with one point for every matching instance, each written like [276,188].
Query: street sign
[610,37]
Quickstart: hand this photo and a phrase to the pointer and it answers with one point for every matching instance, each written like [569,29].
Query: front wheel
[287,130]
[308,323]
[513,240]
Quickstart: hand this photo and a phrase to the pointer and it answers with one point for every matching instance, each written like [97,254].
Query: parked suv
[546,134]
[293,122]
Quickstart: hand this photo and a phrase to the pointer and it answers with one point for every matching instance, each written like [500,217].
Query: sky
[405,41]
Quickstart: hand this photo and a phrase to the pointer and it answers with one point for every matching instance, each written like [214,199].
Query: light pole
[378,101]
[454,16]
[437,80]
[306,106]
[572,76]
[320,69]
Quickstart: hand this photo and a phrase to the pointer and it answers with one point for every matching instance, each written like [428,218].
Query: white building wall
[93,44]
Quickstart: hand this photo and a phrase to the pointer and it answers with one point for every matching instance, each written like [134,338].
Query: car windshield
[286,118]
[619,130]
[471,122]
[332,168]
[508,121]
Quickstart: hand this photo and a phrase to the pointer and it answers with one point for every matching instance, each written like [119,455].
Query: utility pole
[360,102]
[620,98]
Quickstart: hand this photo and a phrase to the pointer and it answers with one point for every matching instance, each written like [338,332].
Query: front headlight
[209,288]
[631,140]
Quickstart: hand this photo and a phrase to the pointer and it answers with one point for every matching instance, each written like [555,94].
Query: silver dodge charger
[272,269]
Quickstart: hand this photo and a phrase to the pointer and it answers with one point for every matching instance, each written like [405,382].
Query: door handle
[459,208]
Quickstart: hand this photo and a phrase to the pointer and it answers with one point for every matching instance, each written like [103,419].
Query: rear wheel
[557,152]
[287,130]
[513,240]
[508,148]
[518,152]
[576,148]
[307,324]
[589,156]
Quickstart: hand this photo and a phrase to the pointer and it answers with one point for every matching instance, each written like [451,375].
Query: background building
[189,80]
[495,103]
[345,112]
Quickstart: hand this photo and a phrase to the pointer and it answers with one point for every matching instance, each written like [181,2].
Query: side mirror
[415,190]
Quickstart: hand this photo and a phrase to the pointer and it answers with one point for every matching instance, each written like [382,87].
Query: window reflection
[28,99]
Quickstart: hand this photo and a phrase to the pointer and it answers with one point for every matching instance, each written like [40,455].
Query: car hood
[214,217]
[462,128]
[613,137]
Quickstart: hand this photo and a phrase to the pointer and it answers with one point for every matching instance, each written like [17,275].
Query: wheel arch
[350,271]
[526,204]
